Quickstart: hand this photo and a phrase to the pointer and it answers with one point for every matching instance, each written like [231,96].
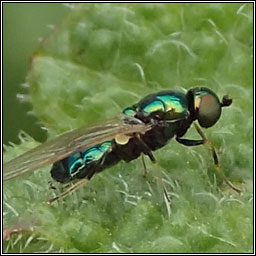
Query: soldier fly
[142,128]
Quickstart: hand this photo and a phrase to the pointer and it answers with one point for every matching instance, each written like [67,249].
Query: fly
[141,129]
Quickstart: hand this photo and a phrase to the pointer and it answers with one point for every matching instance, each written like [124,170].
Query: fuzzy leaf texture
[105,57]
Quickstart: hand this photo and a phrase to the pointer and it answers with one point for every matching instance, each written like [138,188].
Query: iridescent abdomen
[81,164]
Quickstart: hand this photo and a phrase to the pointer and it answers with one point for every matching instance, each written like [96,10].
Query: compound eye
[208,109]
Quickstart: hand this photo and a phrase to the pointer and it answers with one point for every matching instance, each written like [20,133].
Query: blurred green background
[23,26]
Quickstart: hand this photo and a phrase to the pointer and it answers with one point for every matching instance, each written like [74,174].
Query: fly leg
[147,151]
[187,142]
[209,144]
[80,183]
[71,189]
[144,167]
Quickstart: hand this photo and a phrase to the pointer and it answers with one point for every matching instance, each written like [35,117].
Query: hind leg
[72,188]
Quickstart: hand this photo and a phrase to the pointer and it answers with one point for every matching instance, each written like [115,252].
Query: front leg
[187,142]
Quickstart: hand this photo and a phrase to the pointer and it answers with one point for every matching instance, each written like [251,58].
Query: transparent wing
[72,142]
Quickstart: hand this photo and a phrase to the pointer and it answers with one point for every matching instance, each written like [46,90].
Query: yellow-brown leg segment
[71,189]
[153,160]
[144,166]
[167,198]
[209,144]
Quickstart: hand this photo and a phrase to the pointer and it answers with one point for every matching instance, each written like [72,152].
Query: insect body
[140,129]
[166,114]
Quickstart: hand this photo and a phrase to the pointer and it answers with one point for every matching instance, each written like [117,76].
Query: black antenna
[226,101]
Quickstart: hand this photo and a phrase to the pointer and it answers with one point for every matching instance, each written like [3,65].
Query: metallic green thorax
[168,104]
